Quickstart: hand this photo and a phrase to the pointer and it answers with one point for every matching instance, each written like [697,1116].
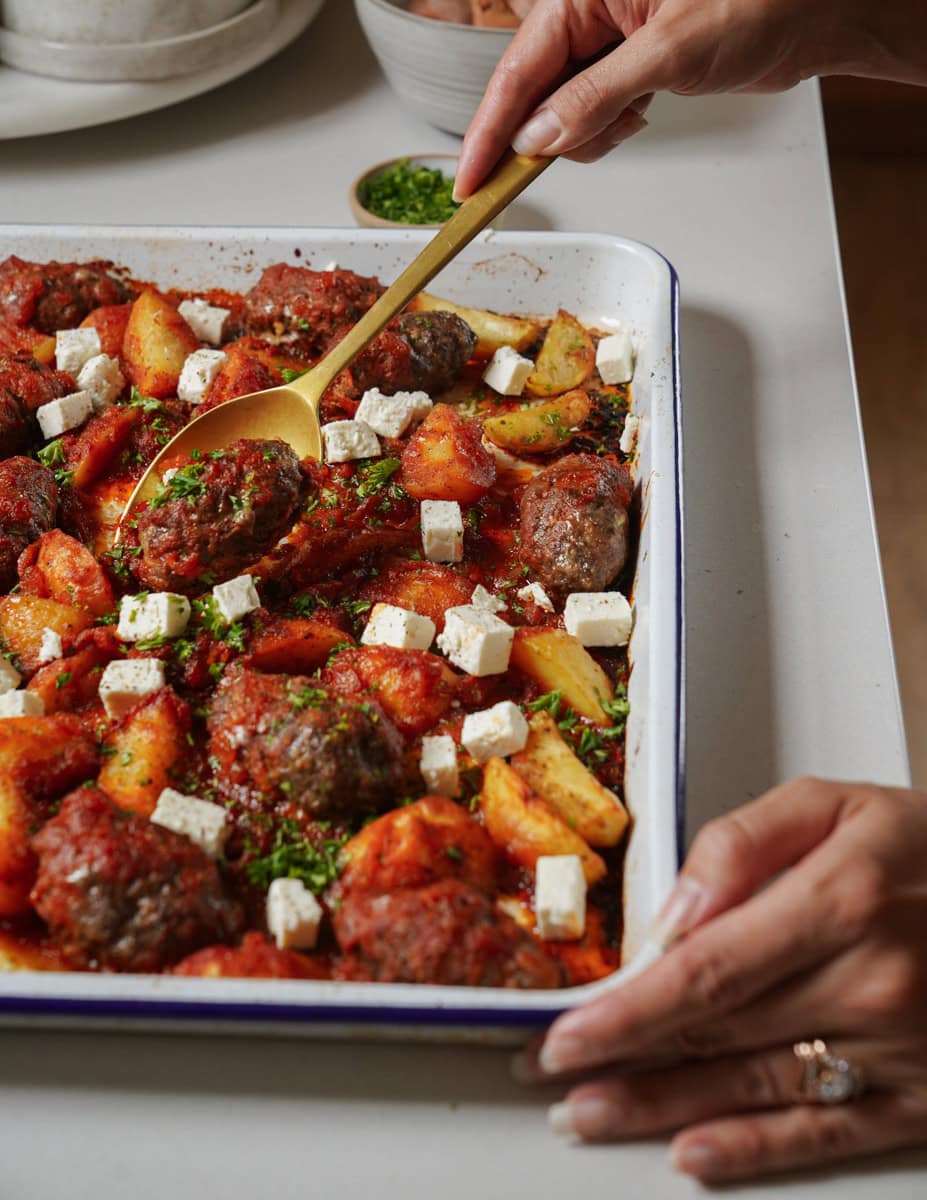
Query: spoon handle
[511,176]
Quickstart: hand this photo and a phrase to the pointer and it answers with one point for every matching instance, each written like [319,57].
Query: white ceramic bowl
[446,163]
[437,69]
[111,21]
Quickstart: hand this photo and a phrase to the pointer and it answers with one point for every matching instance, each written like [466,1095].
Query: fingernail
[696,1158]
[679,914]
[562,1054]
[538,133]
[560,1118]
[589,1117]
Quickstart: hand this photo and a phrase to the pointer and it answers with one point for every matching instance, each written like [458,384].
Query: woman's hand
[596,63]
[834,947]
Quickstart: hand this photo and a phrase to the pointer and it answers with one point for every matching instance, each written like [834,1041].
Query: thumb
[734,855]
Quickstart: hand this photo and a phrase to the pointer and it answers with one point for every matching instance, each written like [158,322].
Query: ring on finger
[827,1078]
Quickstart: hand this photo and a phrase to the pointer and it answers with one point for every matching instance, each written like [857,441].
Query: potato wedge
[156,343]
[540,427]
[294,645]
[551,769]
[445,459]
[60,567]
[145,753]
[110,321]
[525,827]
[559,661]
[491,329]
[24,619]
[566,359]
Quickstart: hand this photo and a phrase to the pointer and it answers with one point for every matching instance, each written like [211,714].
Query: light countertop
[790,665]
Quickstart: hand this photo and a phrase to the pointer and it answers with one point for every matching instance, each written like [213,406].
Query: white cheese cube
[199,820]
[391,416]
[477,641]
[236,597]
[486,601]
[155,615]
[508,462]
[535,593]
[598,618]
[10,678]
[614,358]
[50,646]
[442,530]
[346,440]
[73,347]
[58,416]
[331,266]
[560,897]
[390,625]
[102,379]
[438,765]
[169,474]
[128,680]
[508,371]
[21,704]
[494,732]
[205,319]
[293,915]
[199,370]
[629,434]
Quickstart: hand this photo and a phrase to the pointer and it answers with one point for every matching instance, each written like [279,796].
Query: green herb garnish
[293,856]
[414,195]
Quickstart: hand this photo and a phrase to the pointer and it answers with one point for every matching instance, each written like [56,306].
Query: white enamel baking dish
[603,280]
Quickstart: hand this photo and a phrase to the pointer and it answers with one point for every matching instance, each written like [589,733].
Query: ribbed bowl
[438,70]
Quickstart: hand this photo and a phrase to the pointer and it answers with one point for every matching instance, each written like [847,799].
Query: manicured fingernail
[696,1158]
[589,1117]
[682,909]
[538,133]
[562,1054]
[561,1119]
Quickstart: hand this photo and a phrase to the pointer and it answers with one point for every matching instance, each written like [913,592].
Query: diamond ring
[826,1078]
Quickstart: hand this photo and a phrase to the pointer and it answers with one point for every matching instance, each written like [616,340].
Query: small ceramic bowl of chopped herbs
[405,193]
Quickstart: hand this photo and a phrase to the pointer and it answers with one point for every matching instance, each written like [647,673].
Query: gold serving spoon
[291,412]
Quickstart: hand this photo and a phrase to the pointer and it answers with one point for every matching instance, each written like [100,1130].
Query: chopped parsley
[375,475]
[291,373]
[185,484]
[293,856]
[414,195]
[147,404]
[62,679]
[307,697]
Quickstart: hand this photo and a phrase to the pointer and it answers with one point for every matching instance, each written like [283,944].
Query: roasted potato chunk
[445,459]
[156,343]
[525,827]
[110,321]
[540,427]
[491,329]
[60,568]
[294,645]
[566,359]
[24,619]
[558,661]
[552,770]
[144,753]
[426,588]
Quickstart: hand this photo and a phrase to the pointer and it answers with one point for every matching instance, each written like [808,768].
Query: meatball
[122,894]
[52,296]
[574,523]
[219,514]
[283,739]
[418,352]
[444,933]
[25,385]
[313,307]
[28,505]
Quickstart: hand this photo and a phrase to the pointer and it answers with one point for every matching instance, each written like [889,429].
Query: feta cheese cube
[199,370]
[205,319]
[21,704]
[614,358]
[391,416]
[236,597]
[50,646]
[508,462]
[390,625]
[438,764]
[535,593]
[508,371]
[58,416]
[102,379]
[442,530]
[169,474]
[477,641]
[346,440]
[331,266]
[486,601]
[560,897]
[199,820]
[10,678]
[293,915]
[494,732]
[598,618]
[155,615]
[127,680]
[73,347]
[629,434]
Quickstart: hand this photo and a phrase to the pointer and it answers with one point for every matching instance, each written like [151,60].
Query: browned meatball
[314,307]
[28,504]
[444,933]
[123,894]
[574,523]
[52,296]
[25,385]
[282,739]
[439,346]
[219,514]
